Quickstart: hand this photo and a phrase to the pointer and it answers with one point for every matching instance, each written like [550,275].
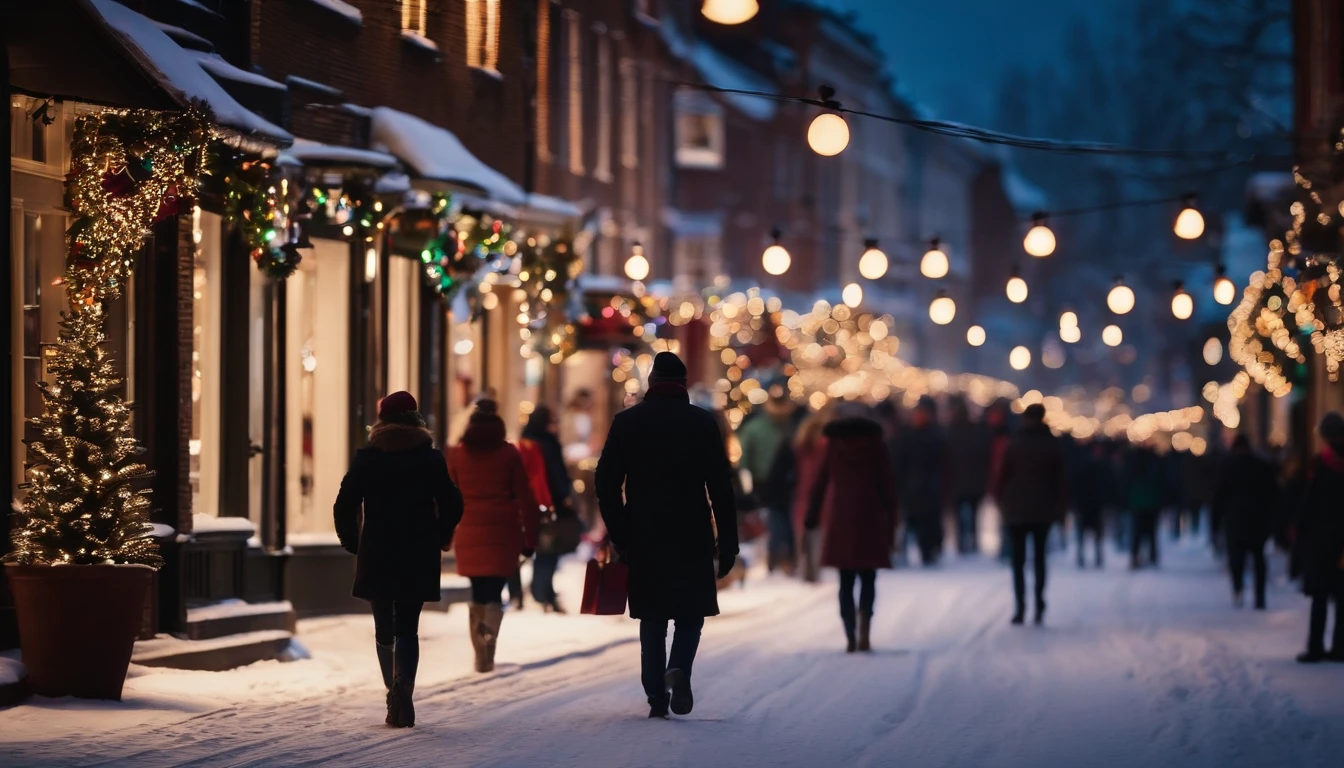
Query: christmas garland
[250,204]
[462,247]
[547,270]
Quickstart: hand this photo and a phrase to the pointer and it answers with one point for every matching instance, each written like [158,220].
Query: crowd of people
[852,487]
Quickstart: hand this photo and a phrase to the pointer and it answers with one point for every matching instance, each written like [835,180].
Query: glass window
[629,114]
[29,124]
[602,171]
[543,81]
[413,16]
[204,444]
[403,325]
[699,130]
[574,72]
[483,34]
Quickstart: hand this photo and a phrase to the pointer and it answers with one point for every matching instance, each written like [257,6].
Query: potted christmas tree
[81,560]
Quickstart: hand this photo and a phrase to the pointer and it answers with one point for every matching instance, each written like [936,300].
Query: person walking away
[1319,550]
[500,521]
[1144,483]
[544,459]
[1092,490]
[809,451]
[1000,435]
[1245,504]
[761,438]
[853,502]
[920,462]
[1032,493]
[396,510]
[968,457]
[670,458]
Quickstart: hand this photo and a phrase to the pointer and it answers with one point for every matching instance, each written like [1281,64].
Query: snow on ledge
[305,152]
[314,85]
[350,12]
[420,41]
[211,524]
[437,154]
[323,539]
[219,68]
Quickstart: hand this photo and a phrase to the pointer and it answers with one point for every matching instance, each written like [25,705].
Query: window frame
[687,103]
[482,22]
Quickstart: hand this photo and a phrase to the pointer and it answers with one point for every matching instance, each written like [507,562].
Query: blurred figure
[761,437]
[853,502]
[808,452]
[920,460]
[1092,490]
[1032,492]
[1292,490]
[546,471]
[1319,551]
[500,522]
[1143,494]
[396,510]
[1000,434]
[1244,503]
[664,484]
[968,457]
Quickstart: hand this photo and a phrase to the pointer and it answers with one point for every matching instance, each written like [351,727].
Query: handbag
[605,587]
[560,535]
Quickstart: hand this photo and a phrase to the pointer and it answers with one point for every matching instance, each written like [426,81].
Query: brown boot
[476,627]
[491,620]
[865,623]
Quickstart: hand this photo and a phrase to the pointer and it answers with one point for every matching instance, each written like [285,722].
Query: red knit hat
[397,402]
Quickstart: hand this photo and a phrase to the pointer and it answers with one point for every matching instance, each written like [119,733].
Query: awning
[314,154]
[436,154]
[180,73]
[552,211]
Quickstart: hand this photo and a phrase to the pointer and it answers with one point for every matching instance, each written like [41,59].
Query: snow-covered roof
[719,70]
[178,72]
[306,152]
[1027,198]
[313,85]
[350,12]
[547,207]
[185,38]
[223,70]
[435,153]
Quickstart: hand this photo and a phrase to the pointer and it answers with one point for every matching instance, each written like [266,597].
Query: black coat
[1033,481]
[1244,503]
[1320,533]
[919,459]
[968,457]
[667,455]
[1093,488]
[397,510]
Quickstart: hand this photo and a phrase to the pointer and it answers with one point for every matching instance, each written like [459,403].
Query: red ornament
[118,184]
[172,204]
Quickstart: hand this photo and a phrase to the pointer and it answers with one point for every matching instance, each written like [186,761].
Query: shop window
[699,130]
[33,130]
[483,34]
[317,370]
[629,114]
[543,89]
[602,171]
[574,85]
[413,16]
[403,325]
[205,441]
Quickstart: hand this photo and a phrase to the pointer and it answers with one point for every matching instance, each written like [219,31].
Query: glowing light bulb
[934,264]
[1189,222]
[1224,290]
[1213,351]
[1020,358]
[873,262]
[1068,319]
[637,266]
[463,347]
[1017,289]
[975,336]
[1112,336]
[1120,299]
[1182,305]
[776,260]
[852,295]
[828,134]
[729,12]
[942,309]
[1070,334]
[1040,241]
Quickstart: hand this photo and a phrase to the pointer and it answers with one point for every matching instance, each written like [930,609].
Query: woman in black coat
[396,511]
[1244,505]
[1319,552]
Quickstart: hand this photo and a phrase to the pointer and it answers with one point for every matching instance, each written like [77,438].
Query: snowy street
[1153,668]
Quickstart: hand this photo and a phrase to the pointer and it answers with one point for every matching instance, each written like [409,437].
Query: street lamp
[729,12]
[934,264]
[637,266]
[1182,305]
[1189,222]
[873,262]
[942,309]
[1121,298]
[1040,241]
[776,259]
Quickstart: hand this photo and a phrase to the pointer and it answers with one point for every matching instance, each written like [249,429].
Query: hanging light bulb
[1224,290]
[1182,305]
[729,12]
[852,295]
[975,336]
[1070,334]
[1040,241]
[1019,358]
[775,259]
[828,133]
[1069,319]
[1111,335]
[1213,351]
[942,309]
[637,266]
[1189,222]
[1121,298]
[934,264]
[1017,288]
[873,262]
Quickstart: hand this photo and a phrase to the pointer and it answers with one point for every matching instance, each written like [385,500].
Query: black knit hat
[1332,429]
[1034,413]
[667,368]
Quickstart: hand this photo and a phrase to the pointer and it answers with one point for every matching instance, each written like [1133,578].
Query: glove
[726,563]
[528,552]
[447,545]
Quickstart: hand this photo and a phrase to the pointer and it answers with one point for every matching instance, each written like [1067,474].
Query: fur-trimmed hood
[853,427]
[395,438]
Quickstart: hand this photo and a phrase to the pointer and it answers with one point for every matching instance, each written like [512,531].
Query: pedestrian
[853,503]
[1319,550]
[1144,483]
[1000,435]
[544,459]
[1032,493]
[968,457]
[809,452]
[664,486]
[1092,489]
[920,461]
[761,437]
[1244,504]
[396,511]
[499,523]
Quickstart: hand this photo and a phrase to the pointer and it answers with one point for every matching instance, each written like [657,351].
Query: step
[453,589]
[235,617]
[214,655]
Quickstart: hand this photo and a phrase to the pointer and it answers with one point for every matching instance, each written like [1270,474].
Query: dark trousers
[653,656]
[867,596]
[1320,605]
[543,577]
[1038,532]
[780,527]
[1236,565]
[395,618]
[926,528]
[488,589]
[967,507]
[1145,532]
[1090,521]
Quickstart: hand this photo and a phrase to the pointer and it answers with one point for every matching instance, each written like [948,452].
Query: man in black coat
[667,456]
[1244,505]
[1032,492]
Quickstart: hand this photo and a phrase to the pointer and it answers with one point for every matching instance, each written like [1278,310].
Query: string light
[1040,241]
[1182,305]
[1121,298]
[1019,359]
[1068,319]
[1189,222]
[1213,351]
[1224,290]
[729,12]
[1017,288]
[873,263]
[852,295]
[934,265]
[1112,336]
[942,310]
[775,260]
[975,336]
[637,266]
[1070,334]
[828,134]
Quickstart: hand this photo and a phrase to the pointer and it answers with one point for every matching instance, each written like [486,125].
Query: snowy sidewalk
[1153,668]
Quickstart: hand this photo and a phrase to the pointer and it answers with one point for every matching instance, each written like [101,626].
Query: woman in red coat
[854,503]
[500,520]
[809,451]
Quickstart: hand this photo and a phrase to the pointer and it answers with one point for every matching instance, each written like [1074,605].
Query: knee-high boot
[476,625]
[406,660]
[492,618]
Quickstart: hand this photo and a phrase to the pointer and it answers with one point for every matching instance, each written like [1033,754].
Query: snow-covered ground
[1152,668]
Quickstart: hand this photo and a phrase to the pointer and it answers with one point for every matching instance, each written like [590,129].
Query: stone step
[217,654]
[235,617]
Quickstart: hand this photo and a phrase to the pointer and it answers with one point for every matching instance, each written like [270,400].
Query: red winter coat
[501,517]
[808,459]
[854,499]
[534,462]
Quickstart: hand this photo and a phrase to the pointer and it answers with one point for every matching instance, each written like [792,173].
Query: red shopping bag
[605,588]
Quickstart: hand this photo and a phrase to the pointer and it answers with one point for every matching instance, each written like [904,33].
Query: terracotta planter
[78,624]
